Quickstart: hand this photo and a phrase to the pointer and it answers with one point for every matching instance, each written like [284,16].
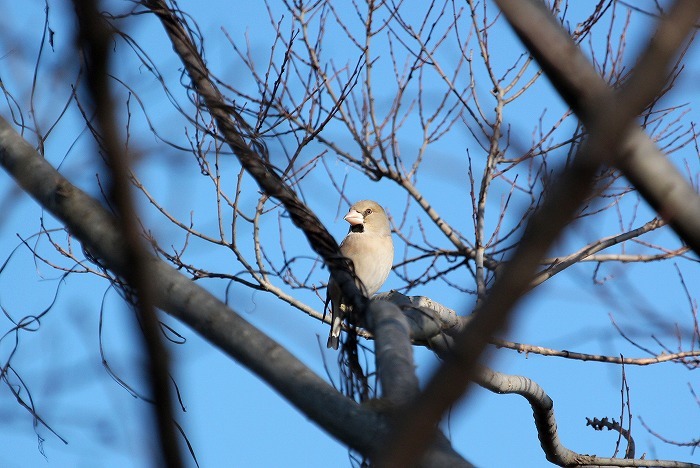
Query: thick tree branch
[396,371]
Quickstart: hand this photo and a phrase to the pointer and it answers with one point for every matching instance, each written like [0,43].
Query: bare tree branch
[691,358]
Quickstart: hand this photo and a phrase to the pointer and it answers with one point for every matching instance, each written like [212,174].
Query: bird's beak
[354,217]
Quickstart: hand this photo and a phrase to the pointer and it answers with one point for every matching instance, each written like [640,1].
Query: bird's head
[368,216]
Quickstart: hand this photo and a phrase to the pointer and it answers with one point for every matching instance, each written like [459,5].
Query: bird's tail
[334,336]
[332,342]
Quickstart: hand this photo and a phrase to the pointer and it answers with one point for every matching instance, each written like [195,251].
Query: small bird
[370,248]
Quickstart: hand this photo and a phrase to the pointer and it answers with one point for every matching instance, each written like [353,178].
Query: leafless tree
[492,176]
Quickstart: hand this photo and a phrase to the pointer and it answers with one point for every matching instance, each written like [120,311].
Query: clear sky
[231,417]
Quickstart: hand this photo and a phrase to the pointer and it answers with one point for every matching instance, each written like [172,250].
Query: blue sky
[233,418]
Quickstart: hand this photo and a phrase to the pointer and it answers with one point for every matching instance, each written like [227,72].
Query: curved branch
[543,412]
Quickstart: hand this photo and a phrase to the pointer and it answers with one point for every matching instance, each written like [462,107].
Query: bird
[369,247]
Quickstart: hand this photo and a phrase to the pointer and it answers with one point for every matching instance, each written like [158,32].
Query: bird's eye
[368,211]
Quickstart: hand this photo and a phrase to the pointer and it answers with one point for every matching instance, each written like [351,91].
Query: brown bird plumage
[370,248]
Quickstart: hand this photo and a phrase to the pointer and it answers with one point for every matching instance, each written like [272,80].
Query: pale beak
[354,217]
